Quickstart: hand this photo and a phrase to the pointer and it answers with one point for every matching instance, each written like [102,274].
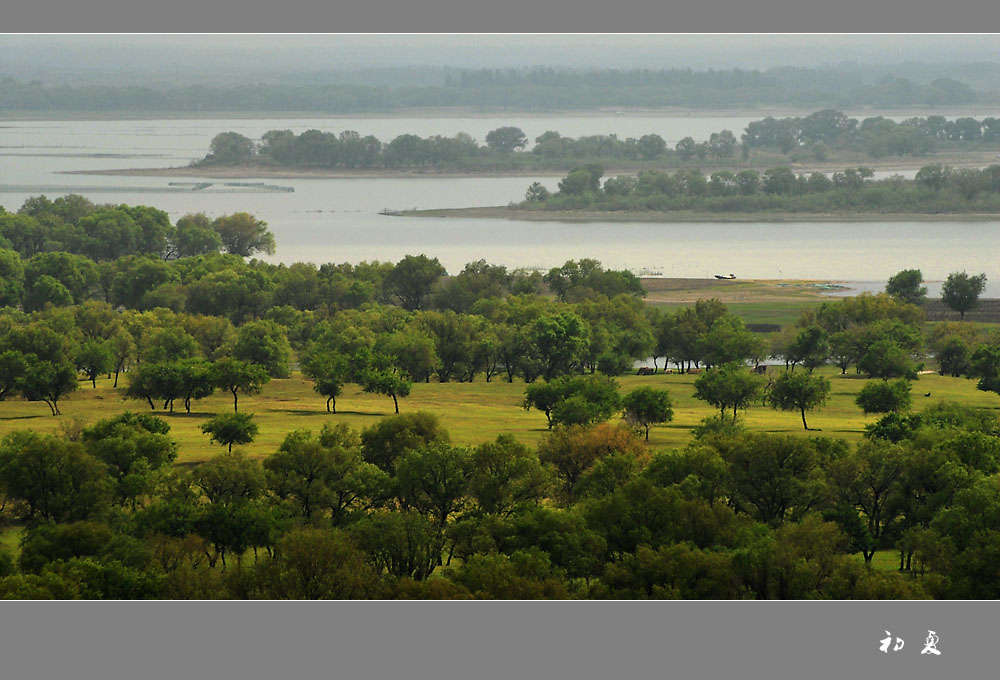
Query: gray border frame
[578,640]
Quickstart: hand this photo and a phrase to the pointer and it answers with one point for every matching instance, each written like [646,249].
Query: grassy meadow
[472,412]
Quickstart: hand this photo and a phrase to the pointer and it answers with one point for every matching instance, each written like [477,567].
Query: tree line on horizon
[813,137]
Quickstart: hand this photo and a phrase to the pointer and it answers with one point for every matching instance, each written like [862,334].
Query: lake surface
[338,220]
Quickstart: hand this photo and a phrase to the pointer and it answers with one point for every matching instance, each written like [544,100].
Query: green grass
[472,412]
[10,539]
[781,312]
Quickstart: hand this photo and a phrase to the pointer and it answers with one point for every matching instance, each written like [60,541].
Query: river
[338,220]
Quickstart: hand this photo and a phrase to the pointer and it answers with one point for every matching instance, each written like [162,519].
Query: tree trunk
[235,401]
[395,402]
[803,411]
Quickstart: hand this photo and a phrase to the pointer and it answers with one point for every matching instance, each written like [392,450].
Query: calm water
[337,220]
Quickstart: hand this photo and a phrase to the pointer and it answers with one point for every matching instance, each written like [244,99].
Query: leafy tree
[244,235]
[772,477]
[905,287]
[230,479]
[646,406]
[573,449]
[985,365]
[47,381]
[867,480]
[134,447]
[728,340]
[559,341]
[330,370]
[505,474]
[885,397]
[55,479]
[231,428]
[11,278]
[263,343]
[390,437]
[13,365]
[412,280]
[506,139]
[46,290]
[230,148]
[325,473]
[961,292]
[798,391]
[194,235]
[377,374]
[729,386]
[434,480]
[95,357]
[318,564]
[404,544]
[574,400]
[885,359]
[239,377]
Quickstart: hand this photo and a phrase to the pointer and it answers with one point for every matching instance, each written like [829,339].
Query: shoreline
[954,159]
[501,212]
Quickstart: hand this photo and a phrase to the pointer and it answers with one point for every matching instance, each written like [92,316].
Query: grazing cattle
[760,370]
[645,370]
[694,371]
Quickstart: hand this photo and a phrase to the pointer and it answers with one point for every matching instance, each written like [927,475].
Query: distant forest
[821,136]
[528,90]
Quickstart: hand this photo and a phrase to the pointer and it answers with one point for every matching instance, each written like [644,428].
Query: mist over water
[338,220]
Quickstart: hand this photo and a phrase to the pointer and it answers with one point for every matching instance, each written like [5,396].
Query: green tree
[434,480]
[985,365]
[504,475]
[329,370]
[885,359]
[11,278]
[867,480]
[55,479]
[905,287]
[230,148]
[798,391]
[391,436]
[412,280]
[134,447]
[263,343]
[772,477]
[729,386]
[961,292]
[244,235]
[325,473]
[13,365]
[94,358]
[239,377]
[231,428]
[574,400]
[194,235]
[46,290]
[506,139]
[646,406]
[885,397]
[376,374]
[47,381]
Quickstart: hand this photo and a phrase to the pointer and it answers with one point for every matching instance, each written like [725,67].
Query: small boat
[725,278]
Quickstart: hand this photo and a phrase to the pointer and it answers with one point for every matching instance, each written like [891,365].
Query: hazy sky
[44,56]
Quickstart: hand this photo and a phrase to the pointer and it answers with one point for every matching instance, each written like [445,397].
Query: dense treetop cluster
[810,137]
[398,510]
[935,189]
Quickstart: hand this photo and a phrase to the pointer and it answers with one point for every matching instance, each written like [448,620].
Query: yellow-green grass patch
[472,412]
